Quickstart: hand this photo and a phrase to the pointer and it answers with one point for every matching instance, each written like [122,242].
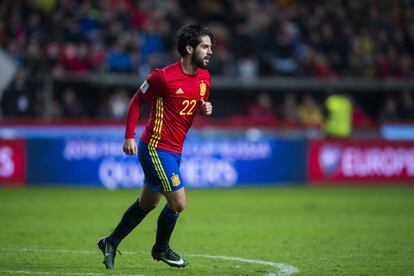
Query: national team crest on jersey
[175,179]
[203,89]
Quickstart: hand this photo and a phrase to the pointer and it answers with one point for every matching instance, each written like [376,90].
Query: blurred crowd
[324,39]
[254,38]
[291,108]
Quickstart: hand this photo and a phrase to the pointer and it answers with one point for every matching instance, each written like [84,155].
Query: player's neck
[187,66]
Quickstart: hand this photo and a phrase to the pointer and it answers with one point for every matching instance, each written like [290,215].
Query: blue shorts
[161,168]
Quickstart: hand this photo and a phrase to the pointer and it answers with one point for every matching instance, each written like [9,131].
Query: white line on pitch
[284,269]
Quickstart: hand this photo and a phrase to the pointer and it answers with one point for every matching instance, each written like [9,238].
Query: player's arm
[130,145]
[151,88]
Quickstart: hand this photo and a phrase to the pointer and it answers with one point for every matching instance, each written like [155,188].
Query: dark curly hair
[191,35]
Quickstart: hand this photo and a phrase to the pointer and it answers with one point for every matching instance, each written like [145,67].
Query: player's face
[202,53]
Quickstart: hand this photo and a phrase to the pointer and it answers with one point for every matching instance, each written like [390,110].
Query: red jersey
[176,98]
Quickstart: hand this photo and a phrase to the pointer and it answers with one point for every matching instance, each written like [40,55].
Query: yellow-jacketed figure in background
[338,122]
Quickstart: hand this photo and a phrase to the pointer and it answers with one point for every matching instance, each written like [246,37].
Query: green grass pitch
[319,231]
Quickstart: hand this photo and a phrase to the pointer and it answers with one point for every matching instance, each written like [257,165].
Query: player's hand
[206,108]
[130,146]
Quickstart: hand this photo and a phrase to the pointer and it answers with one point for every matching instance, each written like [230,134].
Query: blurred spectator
[359,117]
[321,68]
[361,58]
[247,67]
[407,106]
[262,111]
[406,65]
[118,59]
[2,33]
[76,59]
[310,113]
[118,104]
[33,58]
[151,36]
[55,110]
[88,21]
[284,54]
[97,56]
[224,62]
[16,101]
[389,111]
[71,107]
[289,109]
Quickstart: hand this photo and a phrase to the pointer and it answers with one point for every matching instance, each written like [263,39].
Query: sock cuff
[169,213]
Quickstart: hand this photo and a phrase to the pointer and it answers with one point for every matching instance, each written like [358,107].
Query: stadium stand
[67,42]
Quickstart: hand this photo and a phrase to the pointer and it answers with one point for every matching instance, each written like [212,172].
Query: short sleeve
[152,87]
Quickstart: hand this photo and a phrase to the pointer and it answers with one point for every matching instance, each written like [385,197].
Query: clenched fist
[206,108]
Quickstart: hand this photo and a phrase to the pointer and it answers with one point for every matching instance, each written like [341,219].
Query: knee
[177,207]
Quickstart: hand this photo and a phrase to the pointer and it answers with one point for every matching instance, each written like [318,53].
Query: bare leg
[176,200]
[149,199]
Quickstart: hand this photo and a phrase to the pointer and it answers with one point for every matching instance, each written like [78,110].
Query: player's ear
[189,49]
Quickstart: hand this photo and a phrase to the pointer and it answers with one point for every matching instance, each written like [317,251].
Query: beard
[198,61]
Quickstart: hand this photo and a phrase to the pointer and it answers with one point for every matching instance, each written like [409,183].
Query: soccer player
[177,93]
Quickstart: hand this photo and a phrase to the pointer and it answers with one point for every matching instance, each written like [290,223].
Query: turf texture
[319,231]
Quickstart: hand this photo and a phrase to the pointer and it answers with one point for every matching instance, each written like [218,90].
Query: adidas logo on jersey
[179,91]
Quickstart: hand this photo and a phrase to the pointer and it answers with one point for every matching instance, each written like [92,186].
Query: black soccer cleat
[109,252]
[169,257]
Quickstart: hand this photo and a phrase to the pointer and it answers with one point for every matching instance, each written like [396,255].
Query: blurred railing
[275,84]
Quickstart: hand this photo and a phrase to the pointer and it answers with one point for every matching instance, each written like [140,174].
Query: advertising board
[212,162]
[12,162]
[368,161]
